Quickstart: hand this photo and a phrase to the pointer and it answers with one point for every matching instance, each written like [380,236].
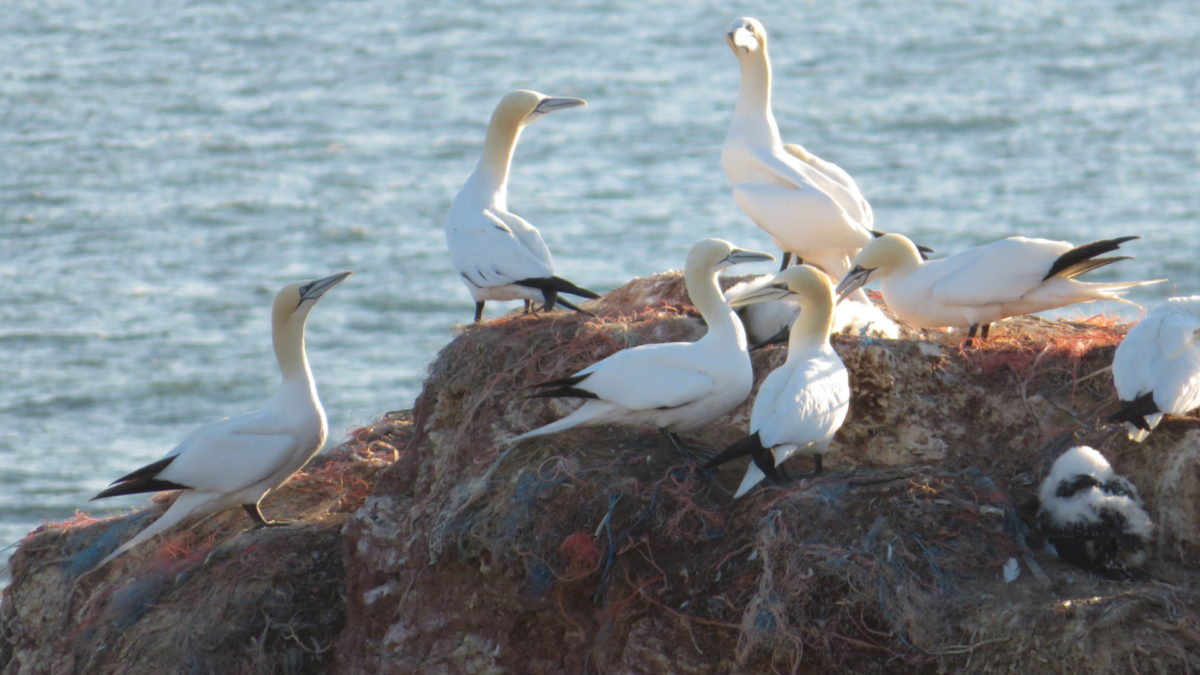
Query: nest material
[599,549]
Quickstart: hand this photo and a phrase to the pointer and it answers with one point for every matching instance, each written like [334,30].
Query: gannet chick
[1093,517]
[802,403]
[768,322]
[984,284]
[676,386]
[238,460]
[1157,366]
[809,206]
[498,255]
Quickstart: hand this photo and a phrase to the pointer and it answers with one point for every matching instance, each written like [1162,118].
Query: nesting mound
[601,550]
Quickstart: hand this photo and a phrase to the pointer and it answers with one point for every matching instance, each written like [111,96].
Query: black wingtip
[1084,252]
[558,285]
[1135,411]
[747,446]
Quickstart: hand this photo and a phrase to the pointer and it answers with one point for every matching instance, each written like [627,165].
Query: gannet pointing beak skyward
[981,285]
[810,207]
[238,460]
[676,386]
[498,255]
[802,403]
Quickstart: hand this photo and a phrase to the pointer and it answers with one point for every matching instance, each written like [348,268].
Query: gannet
[987,283]
[809,206]
[803,402]
[676,386]
[1157,366]
[768,322]
[1093,517]
[498,255]
[238,460]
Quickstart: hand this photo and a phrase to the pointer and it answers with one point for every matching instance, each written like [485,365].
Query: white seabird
[802,403]
[498,255]
[1156,368]
[809,206]
[675,386]
[1093,517]
[768,322]
[980,285]
[238,460]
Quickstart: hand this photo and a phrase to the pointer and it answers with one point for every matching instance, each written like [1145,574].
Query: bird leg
[692,453]
[787,258]
[529,306]
[257,517]
[983,331]
[479,311]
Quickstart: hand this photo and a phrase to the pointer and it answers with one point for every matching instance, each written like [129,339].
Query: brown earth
[424,545]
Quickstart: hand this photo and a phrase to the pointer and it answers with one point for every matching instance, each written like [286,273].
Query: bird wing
[999,272]
[1139,358]
[1177,367]
[801,404]
[649,377]
[224,460]
[838,183]
[493,248]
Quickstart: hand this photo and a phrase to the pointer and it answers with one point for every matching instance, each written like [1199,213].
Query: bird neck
[812,327]
[706,296]
[288,338]
[754,95]
[491,174]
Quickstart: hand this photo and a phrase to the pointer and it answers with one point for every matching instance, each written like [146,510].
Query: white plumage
[498,255]
[809,206]
[984,284]
[1093,517]
[802,403]
[769,321]
[1156,368]
[676,386]
[238,460]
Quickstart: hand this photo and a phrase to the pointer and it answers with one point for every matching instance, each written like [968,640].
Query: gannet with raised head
[238,460]
[675,386]
[802,403]
[1156,368]
[980,285]
[1093,517]
[811,207]
[498,255]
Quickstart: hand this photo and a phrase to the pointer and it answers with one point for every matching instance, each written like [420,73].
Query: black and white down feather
[1091,516]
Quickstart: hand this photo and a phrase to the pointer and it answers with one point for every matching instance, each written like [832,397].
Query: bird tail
[189,503]
[1114,290]
[584,414]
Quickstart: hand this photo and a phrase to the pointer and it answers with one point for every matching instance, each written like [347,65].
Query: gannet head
[746,35]
[880,257]
[523,106]
[803,281]
[713,255]
[294,301]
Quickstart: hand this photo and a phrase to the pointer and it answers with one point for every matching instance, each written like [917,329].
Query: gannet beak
[741,255]
[855,279]
[742,38]
[552,103]
[774,291]
[317,288]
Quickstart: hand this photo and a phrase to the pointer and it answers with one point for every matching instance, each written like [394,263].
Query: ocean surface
[165,167]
